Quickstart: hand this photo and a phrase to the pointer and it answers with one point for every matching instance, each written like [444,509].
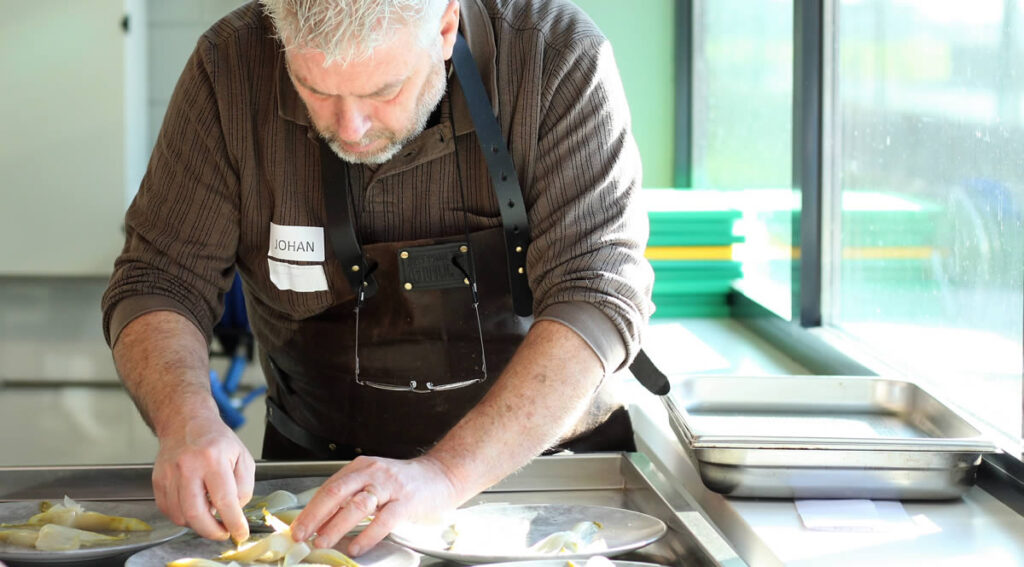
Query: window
[742,132]
[928,267]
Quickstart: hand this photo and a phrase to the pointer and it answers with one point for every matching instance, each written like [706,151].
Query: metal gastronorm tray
[619,480]
[823,437]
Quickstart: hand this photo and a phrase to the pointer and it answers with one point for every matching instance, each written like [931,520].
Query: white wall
[174,28]
[136,97]
[61,139]
[81,104]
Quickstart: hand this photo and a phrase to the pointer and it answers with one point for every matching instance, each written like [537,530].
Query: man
[404,340]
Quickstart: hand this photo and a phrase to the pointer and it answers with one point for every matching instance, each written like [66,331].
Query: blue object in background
[229,404]
[233,334]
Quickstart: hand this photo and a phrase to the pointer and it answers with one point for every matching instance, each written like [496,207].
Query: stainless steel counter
[622,480]
[973,530]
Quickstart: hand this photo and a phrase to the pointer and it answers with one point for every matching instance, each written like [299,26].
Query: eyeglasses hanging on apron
[419,268]
[513,217]
[440,265]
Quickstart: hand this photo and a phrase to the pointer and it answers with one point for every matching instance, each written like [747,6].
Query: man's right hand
[203,468]
[162,359]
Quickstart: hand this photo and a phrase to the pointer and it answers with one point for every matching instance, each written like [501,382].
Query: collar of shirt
[475,25]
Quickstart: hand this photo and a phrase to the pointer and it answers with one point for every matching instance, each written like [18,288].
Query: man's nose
[353,122]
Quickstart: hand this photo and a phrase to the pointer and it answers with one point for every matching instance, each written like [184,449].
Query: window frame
[804,337]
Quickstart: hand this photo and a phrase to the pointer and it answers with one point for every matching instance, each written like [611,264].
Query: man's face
[367,110]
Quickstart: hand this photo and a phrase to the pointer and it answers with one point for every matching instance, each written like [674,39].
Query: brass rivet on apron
[332,446]
[463,249]
[404,254]
[407,286]
[521,270]
[355,268]
[465,281]
[519,248]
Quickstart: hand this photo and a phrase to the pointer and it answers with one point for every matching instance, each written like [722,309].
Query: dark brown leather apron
[421,349]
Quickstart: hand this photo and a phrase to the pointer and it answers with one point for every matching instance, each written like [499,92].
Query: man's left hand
[390,490]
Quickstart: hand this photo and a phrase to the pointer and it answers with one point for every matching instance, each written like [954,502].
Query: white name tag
[298,243]
[297,278]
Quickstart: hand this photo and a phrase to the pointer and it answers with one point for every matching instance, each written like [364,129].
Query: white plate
[505,532]
[145,510]
[293,485]
[564,562]
[384,554]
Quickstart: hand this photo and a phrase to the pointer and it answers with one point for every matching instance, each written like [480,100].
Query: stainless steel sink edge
[686,517]
[668,456]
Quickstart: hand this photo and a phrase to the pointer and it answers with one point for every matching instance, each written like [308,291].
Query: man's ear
[449,28]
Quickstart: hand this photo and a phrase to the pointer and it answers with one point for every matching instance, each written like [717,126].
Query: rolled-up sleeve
[182,227]
[586,264]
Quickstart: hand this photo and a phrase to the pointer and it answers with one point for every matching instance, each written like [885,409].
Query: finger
[363,504]
[220,485]
[383,522]
[245,472]
[166,495]
[196,509]
[325,503]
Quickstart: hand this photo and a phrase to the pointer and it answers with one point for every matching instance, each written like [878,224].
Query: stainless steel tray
[823,437]
[628,481]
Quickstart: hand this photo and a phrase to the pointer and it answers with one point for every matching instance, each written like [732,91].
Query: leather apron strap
[510,200]
[310,443]
[341,226]
[503,176]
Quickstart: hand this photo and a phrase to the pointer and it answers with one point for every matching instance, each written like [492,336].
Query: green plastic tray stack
[690,249]
[892,247]
[894,254]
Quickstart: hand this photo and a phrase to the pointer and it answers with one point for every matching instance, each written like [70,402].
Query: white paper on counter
[853,515]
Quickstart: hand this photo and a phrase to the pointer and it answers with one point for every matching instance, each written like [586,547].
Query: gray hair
[349,30]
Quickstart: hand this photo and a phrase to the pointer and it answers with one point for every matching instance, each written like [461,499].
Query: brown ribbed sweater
[236,153]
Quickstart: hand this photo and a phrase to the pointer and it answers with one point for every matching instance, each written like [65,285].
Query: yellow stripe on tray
[888,252]
[688,253]
[882,252]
